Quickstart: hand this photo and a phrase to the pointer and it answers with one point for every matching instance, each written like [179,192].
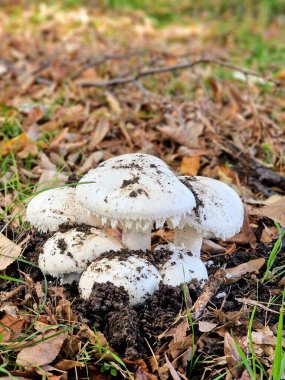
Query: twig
[105,58]
[161,70]
[210,290]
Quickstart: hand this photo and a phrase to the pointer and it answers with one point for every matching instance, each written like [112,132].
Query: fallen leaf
[232,275]
[65,365]
[17,144]
[43,352]
[113,103]
[91,162]
[184,135]
[172,370]
[274,211]
[142,374]
[100,133]
[9,252]
[10,327]
[232,356]
[205,326]
[190,165]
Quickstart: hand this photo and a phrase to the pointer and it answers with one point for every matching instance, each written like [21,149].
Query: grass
[253,366]
[272,257]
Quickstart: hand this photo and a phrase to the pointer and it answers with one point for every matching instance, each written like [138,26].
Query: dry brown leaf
[9,252]
[100,133]
[232,356]
[65,365]
[10,327]
[190,165]
[91,162]
[17,144]
[274,211]
[184,135]
[205,326]
[245,376]
[50,178]
[113,103]
[236,273]
[43,352]
[172,370]
[142,374]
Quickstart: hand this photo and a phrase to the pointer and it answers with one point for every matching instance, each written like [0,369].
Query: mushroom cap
[182,267]
[219,211]
[73,250]
[134,191]
[51,208]
[138,276]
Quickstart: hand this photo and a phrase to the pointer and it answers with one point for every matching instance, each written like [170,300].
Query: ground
[202,87]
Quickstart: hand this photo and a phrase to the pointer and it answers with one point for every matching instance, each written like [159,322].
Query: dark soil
[72,180]
[127,328]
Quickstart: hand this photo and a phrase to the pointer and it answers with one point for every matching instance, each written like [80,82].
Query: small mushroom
[68,254]
[181,267]
[138,276]
[218,213]
[51,208]
[134,192]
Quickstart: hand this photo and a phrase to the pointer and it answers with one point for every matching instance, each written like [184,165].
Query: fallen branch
[160,70]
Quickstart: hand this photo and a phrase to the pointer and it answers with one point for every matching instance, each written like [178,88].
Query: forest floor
[79,85]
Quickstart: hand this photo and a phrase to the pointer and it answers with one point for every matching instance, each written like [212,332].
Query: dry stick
[161,70]
[210,290]
[105,58]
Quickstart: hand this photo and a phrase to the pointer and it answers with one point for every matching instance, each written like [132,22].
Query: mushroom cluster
[134,193]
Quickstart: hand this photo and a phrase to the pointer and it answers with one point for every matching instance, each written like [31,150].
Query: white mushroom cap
[51,208]
[181,267]
[138,277]
[135,191]
[72,251]
[219,211]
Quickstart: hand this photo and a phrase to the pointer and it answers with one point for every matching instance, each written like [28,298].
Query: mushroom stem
[136,240]
[189,238]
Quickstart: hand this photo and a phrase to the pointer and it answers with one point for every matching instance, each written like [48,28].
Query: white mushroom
[68,254]
[181,267]
[137,276]
[51,208]
[134,192]
[218,213]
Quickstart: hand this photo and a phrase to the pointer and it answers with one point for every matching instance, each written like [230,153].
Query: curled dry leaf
[43,352]
[9,252]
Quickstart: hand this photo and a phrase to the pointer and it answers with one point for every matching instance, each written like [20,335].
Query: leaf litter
[82,91]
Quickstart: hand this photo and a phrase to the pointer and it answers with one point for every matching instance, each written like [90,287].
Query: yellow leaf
[190,165]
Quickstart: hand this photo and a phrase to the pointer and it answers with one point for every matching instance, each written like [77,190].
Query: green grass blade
[279,360]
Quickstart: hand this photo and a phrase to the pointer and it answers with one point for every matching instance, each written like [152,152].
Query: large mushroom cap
[135,191]
[138,276]
[51,208]
[72,251]
[219,210]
